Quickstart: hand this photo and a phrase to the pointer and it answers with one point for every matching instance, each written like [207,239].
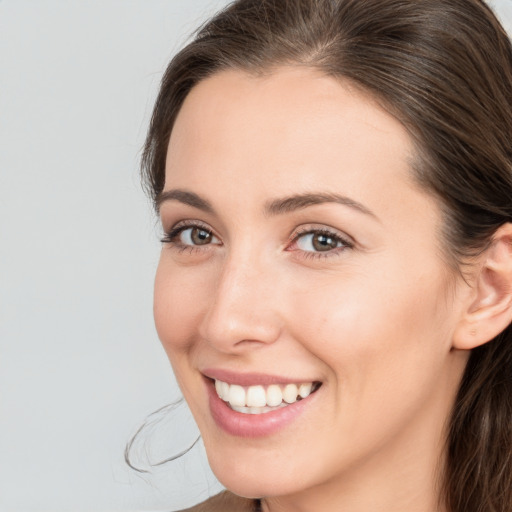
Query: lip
[250,379]
[253,425]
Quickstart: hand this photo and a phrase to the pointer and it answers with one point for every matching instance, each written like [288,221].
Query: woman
[334,291]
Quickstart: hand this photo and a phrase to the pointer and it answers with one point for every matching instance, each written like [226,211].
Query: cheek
[178,294]
[383,343]
[379,334]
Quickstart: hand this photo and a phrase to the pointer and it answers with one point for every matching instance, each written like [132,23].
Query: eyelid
[319,228]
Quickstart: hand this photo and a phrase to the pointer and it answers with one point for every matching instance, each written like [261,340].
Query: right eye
[190,236]
[196,236]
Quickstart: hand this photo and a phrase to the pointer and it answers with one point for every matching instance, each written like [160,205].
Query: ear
[489,308]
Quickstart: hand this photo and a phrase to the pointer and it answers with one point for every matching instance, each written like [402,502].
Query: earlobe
[489,310]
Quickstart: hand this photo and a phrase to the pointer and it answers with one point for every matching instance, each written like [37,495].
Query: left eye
[196,236]
[319,242]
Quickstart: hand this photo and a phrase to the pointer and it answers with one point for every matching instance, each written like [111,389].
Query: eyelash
[171,239]
[345,243]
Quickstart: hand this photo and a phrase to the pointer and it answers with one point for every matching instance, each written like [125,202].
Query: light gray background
[80,363]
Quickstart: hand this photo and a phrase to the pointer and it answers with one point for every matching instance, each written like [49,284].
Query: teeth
[258,400]
[256,410]
[236,395]
[256,397]
[274,395]
[305,390]
[290,393]
[224,391]
[218,388]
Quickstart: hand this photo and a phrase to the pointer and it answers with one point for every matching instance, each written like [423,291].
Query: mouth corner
[317,384]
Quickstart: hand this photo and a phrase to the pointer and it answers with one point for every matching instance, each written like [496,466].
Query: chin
[265,474]
[256,484]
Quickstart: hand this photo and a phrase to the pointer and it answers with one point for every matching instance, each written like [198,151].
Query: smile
[255,405]
[263,399]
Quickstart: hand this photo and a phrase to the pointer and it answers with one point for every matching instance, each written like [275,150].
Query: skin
[373,320]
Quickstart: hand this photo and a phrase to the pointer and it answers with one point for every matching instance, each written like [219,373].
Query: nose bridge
[243,308]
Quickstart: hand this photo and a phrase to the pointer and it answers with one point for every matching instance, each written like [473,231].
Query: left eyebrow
[301,201]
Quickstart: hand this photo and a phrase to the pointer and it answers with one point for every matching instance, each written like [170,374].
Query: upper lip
[251,379]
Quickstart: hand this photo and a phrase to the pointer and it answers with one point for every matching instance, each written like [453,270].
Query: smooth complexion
[370,314]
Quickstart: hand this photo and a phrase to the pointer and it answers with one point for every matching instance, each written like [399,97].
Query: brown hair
[444,69]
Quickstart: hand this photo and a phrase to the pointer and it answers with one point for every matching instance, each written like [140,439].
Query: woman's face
[299,251]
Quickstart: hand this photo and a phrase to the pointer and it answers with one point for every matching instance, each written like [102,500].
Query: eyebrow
[185,197]
[273,207]
[301,201]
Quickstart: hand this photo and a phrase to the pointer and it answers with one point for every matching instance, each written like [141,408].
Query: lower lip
[253,425]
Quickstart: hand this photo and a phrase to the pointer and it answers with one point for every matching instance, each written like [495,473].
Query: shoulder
[223,502]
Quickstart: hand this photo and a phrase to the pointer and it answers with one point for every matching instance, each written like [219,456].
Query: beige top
[224,502]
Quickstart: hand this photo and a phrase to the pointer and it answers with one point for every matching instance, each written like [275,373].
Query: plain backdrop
[80,363]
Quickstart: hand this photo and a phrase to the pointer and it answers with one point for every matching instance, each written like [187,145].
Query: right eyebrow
[185,197]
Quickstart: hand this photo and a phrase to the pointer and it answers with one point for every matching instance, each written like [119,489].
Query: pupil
[324,242]
[200,236]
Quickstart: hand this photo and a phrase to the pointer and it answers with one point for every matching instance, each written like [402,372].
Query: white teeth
[257,399]
[256,410]
[224,391]
[274,395]
[256,396]
[236,395]
[305,390]
[218,388]
[290,393]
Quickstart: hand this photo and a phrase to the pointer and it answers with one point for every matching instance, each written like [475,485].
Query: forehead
[291,130]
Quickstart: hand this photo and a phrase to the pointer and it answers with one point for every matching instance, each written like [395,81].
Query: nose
[244,313]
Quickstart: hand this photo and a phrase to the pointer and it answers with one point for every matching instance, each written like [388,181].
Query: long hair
[443,68]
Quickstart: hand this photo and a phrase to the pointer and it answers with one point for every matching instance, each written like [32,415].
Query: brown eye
[318,241]
[323,242]
[200,236]
[191,235]
[196,235]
